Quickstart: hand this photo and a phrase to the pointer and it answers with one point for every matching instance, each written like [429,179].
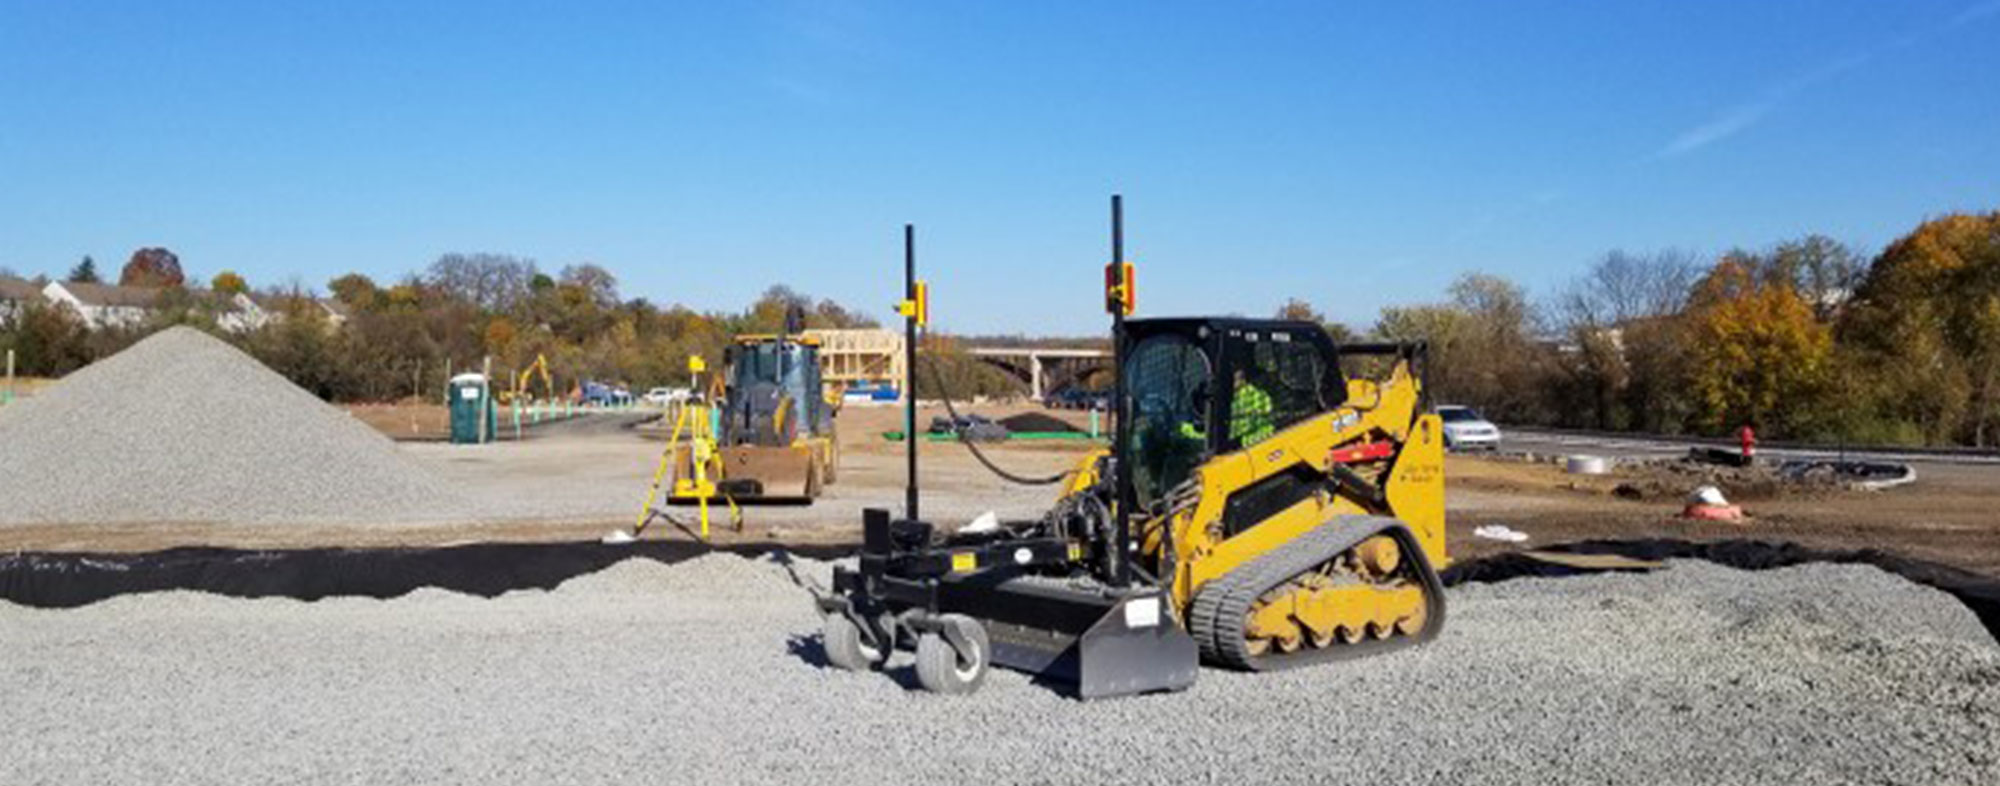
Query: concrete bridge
[1044,368]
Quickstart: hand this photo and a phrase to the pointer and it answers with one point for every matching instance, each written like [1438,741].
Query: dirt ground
[1951,515]
[581,479]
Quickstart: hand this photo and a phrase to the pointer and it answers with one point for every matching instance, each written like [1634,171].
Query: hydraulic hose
[945,394]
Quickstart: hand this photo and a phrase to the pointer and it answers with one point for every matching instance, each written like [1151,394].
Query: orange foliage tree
[1758,355]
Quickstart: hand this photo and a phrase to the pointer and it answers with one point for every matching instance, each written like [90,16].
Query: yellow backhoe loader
[775,436]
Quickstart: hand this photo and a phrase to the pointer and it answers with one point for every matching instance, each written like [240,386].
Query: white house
[261,310]
[104,305]
[16,294]
[238,313]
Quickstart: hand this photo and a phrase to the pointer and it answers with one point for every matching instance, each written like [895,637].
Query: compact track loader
[1258,509]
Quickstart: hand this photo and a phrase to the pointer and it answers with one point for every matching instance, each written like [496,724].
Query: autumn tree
[495,282]
[1924,326]
[1757,353]
[47,339]
[1483,346]
[228,282]
[1822,270]
[1300,311]
[1622,361]
[152,267]
[355,290]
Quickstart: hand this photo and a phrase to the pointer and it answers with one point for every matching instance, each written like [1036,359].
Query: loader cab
[766,370]
[1200,388]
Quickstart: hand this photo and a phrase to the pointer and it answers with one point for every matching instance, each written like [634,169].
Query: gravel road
[704,672]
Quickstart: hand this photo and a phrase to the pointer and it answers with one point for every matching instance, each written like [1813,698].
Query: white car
[1465,428]
[661,397]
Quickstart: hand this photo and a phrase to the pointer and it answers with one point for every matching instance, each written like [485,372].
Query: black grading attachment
[1077,634]
[1036,610]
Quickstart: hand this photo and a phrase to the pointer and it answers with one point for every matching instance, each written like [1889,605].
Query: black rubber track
[1220,608]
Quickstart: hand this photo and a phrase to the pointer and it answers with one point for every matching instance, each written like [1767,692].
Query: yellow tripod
[696,421]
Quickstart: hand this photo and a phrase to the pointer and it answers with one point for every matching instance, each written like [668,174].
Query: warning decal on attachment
[1142,612]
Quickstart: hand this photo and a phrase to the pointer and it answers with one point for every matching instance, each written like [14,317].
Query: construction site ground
[530,653]
[578,479]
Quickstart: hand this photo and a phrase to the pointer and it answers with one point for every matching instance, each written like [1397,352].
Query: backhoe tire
[845,648]
[941,668]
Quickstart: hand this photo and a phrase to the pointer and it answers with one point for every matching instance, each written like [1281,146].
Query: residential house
[262,310]
[104,305]
[337,313]
[16,294]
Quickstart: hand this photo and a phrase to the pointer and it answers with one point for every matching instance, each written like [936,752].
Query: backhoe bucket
[758,474]
[1098,641]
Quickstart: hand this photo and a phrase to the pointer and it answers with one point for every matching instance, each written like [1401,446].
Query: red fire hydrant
[1749,438]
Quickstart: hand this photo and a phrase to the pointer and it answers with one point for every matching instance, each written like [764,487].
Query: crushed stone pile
[710,671]
[184,428]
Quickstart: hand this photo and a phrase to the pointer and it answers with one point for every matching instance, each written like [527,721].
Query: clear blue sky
[1354,154]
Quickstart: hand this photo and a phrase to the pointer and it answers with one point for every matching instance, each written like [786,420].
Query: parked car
[661,397]
[604,395]
[1076,398]
[1465,428]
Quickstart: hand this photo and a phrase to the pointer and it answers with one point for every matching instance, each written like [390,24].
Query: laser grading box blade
[1098,641]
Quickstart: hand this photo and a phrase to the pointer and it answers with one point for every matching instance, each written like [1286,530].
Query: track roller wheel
[943,668]
[1410,625]
[1320,640]
[845,648]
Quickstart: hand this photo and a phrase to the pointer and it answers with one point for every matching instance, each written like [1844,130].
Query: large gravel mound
[708,672]
[184,428]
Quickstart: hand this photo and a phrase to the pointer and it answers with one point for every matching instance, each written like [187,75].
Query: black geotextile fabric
[69,579]
[1979,593]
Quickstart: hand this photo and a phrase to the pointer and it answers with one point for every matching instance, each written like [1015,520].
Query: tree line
[401,339]
[1806,340]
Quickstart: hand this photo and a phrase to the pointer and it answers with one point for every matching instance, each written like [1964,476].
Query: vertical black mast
[1117,561]
[910,368]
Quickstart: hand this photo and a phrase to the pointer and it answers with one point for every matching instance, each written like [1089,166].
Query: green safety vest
[1250,415]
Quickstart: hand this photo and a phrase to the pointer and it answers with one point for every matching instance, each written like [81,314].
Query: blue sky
[1353,154]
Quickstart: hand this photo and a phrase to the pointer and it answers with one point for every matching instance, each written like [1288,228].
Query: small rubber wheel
[941,668]
[844,647]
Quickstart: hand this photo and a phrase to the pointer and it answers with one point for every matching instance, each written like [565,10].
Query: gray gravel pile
[184,428]
[706,672]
